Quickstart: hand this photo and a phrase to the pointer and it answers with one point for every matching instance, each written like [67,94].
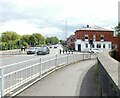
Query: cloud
[49,16]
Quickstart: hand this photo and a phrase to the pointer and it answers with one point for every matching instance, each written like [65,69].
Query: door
[79,47]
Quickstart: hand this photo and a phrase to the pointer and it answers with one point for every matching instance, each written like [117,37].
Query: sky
[59,18]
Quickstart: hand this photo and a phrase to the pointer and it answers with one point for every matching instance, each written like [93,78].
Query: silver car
[31,50]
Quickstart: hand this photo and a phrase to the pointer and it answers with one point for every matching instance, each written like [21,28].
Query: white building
[100,37]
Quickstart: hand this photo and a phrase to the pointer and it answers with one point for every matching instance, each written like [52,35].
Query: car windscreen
[41,49]
[31,48]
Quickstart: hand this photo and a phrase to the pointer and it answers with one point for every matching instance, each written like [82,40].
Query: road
[16,62]
[20,61]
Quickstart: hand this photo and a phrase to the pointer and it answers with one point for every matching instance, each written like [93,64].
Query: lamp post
[66,32]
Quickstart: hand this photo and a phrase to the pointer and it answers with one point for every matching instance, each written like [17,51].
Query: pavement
[12,52]
[66,81]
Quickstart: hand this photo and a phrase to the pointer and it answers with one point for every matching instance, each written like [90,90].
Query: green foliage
[9,36]
[25,44]
[2,45]
[40,38]
[117,29]
[11,40]
[52,40]
[32,40]
[62,42]
[25,38]
[8,40]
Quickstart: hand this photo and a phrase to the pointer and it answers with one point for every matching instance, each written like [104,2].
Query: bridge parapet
[108,75]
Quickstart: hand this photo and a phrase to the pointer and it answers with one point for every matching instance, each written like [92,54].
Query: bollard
[63,51]
[60,51]
[66,51]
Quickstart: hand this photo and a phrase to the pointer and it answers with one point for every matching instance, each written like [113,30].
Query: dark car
[31,50]
[43,50]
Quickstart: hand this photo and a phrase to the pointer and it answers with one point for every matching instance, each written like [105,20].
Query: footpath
[63,82]
[12,52]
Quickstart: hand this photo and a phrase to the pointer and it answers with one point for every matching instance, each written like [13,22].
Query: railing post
[83,55]
[40,68]
[67,59]
[90,55]
[56,61]
[2,84]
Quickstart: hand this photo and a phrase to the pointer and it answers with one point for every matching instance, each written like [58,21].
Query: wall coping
[110,65]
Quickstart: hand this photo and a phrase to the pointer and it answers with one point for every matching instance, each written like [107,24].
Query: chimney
[87,26]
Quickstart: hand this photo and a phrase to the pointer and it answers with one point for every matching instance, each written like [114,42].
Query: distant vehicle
[50,46]
[95,50]
[43,50]
[31,50]
[55,46]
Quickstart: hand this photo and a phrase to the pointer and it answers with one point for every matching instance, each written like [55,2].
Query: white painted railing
[12,83]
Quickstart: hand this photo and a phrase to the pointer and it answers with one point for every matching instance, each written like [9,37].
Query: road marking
[24,61]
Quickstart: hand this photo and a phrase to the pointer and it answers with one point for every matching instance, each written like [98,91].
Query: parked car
[31,50]
[95,50]
[43,50]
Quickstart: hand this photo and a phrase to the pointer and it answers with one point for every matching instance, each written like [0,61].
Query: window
[97,46]
[103,45]
[86,45]
[102,38]
[109,46]
[86,37]
[94,37]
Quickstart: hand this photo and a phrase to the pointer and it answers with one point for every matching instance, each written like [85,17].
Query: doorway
[79,47]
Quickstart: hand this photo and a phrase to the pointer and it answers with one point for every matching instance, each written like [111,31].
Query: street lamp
[66,32]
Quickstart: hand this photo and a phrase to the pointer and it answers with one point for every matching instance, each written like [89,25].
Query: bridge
[62,75]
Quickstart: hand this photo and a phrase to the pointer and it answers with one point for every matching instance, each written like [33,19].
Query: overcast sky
[49,17]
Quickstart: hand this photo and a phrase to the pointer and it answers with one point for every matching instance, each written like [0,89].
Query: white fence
[12,83]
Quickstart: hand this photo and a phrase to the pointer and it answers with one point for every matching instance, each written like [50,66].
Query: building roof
[94,28]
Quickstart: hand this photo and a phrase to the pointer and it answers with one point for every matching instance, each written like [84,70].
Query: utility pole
[66,31]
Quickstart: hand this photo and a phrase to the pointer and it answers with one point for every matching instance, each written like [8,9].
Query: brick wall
[79,34]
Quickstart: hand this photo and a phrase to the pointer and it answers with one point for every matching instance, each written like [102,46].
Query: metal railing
[11,83]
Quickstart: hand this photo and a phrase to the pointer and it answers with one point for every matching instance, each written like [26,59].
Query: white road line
[24,61]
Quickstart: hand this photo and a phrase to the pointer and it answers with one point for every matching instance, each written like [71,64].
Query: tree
[62,42]
[25,38]
[32,40]
[40,38]
[52,40]
[48,40]
[117,29]
[9,36]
